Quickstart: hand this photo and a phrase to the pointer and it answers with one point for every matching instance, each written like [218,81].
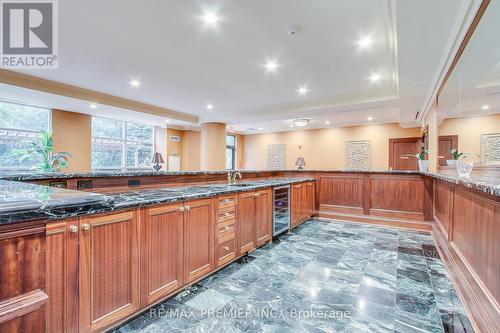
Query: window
[19,125]
[121,145]
[230,152]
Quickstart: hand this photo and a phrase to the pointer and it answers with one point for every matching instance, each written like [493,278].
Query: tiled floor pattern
[321,277]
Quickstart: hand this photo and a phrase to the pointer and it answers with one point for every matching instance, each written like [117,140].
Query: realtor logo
[29,34]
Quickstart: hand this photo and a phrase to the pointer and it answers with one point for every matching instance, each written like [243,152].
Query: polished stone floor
[321,277]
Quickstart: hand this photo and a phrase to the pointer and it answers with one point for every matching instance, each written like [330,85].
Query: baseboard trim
[377,220]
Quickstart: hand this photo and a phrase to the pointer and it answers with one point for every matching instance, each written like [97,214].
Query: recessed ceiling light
[260,128]
[365,42]
[303,90]
[375,77]
[291,126]
[370,118]
[210,18]
[271,66]
[210,106]
[93,106]
[327,122]
[134,83]
[167,120]
[485,107]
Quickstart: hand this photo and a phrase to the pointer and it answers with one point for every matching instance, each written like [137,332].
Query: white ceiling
[183,64]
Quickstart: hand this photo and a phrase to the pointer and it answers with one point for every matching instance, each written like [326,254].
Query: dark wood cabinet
[198,239]
[246,222]
[302,202]
[62,276]
[263,217]
[109,269]
[161,251]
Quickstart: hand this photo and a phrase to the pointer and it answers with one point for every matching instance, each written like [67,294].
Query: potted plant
[455,155]
[42,155]
[423,164]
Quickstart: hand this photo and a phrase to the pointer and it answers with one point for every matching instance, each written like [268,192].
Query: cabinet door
[109,269]
[296,204]
[246,222]
[263,216]
[198,239]
[62,276]
[161,251]
[310,199]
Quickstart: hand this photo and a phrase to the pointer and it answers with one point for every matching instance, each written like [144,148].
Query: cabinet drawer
[226,252]
[226,232]
[224,202]
[226,214]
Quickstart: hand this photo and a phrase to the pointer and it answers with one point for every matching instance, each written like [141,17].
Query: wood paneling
[161,251]
[62,276]
[263,217]
[198,239]
[109,269]
[310,206]
[397,196]
[22,280]
[246,222]
[343,193]
[443,206]
[476,234]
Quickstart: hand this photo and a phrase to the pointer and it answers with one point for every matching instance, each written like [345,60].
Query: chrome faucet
[231,177]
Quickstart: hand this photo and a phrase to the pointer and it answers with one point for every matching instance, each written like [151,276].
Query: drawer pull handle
[227,214]
[226,248]
[227,227]
[181,209]
[85,226]
[187,207]
[73,228]
[227,200]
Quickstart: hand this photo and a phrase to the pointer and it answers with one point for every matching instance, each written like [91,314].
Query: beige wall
[161,141]
[324,148]
[240,151]
[469,131]
[190,153]
[174,147]
[72,133]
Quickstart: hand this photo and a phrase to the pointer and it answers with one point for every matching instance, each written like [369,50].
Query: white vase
[451,162]
[423,165]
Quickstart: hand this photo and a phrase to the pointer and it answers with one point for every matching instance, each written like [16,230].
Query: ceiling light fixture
[327,122]
[301,122]
[375,77]
[271,66]
[303,90]
[134,83]
[167,120]
[291,126]
[485,107]
[370,118]
[210,18]
[260,128]
[365,42]
[210,106]
[93,106]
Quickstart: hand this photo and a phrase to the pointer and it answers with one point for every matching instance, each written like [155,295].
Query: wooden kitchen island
[109,246]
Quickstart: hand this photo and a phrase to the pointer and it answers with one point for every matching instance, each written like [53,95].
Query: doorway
[402,153]
[445,144]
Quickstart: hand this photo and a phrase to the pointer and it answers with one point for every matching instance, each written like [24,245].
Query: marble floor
[321,277]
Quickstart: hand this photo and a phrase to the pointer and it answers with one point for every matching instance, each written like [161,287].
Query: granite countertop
[26,176]
[484,182]
[27,202]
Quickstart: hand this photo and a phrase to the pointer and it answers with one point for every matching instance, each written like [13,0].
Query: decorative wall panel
[490,149]
[276,157]
[358,155]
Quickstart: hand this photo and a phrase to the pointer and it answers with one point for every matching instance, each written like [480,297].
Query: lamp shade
[157,158]
[300,162]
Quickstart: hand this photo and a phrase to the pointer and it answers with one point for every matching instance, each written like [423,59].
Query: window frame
[124,143]
[233,148]
[49,129]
